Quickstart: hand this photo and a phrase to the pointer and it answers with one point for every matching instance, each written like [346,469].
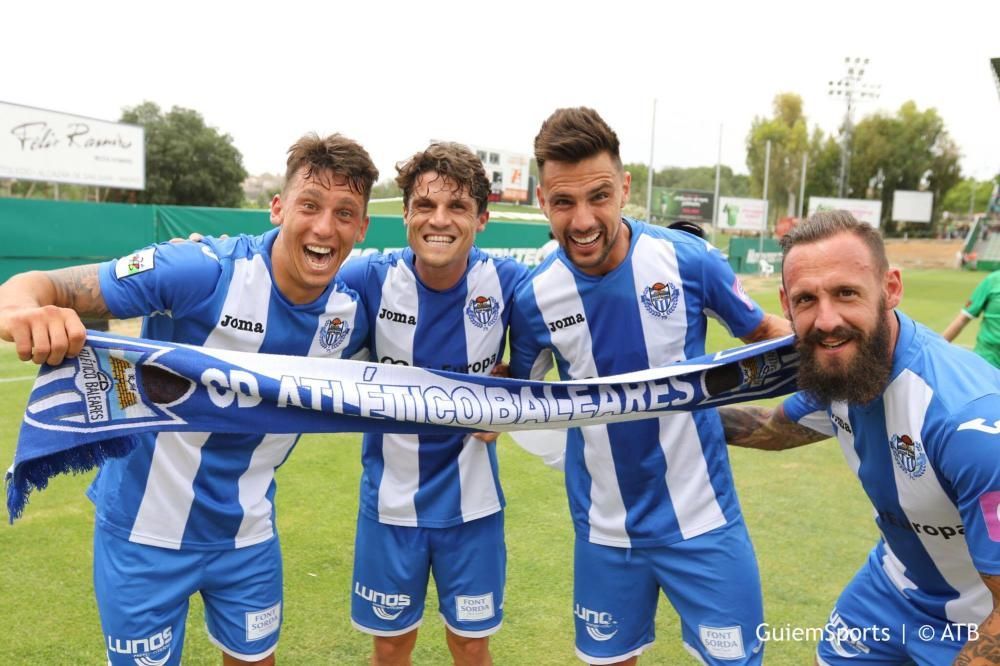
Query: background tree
[789,137]
[909,151]
[187,162]
[823,167]
[958,198]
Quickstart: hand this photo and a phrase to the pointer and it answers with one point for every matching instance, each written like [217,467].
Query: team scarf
[92,407]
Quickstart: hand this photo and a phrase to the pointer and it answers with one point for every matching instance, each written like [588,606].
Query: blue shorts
[711,579]
[391,568]
[873,623]
[143,592]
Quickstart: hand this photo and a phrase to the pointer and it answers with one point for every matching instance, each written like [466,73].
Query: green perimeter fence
[41,235]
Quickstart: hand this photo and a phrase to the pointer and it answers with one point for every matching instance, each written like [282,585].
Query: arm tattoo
[756,427]
[985,649]
[79,288]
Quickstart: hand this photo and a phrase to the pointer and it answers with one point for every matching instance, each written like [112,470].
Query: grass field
[810,522]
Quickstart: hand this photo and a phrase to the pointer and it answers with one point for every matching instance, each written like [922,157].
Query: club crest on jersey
[332,333]
[908,454]
[483,311]
[660,299]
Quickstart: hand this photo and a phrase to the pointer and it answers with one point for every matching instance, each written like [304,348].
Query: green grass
[808,517]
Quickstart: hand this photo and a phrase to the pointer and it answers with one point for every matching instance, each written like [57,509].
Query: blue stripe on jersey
[192,490]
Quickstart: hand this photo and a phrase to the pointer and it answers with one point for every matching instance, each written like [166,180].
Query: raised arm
[754,427]
[40,311]
[984,648]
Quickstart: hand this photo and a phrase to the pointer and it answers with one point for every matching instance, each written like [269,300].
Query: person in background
[985,301]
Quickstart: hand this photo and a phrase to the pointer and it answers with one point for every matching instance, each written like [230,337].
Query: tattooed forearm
[984,650]
[79,288]
[756,427]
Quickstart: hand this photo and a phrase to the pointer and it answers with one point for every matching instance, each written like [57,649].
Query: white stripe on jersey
[479,495]
[341,305]
[256,526]
[175,463]
[400,481]
[556,288]
[166,501]
[844,437]
[895,570]
[691,493]
[248,299]
[906,403]
[400,453]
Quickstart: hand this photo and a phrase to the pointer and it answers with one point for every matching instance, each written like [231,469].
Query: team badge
[757,369]
[133,264]
[741,294]
[332,333]
[483,311]
[909,455]
[660,299]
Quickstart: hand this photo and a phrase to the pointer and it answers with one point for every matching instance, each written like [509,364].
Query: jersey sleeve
[804,409]
[530,354]
[725,299]
[970,464]
[354,273]
[980,297]
[170,277]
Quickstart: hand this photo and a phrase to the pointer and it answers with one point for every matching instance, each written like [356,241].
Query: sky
[395,75]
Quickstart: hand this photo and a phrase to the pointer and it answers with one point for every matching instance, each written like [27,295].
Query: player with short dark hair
[433,504]
[652,501]
[194,512]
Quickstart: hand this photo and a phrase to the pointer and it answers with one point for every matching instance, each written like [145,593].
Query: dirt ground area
[923,253]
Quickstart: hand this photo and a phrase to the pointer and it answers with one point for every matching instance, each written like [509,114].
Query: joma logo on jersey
[398,317]
[242,324]
[842,424]
[385,606]
[483,311]
[908,454]
[565,322]
[601,626]
[660,299]
[332,333]
[151,651]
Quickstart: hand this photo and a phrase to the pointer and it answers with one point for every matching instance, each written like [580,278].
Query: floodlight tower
[851,88]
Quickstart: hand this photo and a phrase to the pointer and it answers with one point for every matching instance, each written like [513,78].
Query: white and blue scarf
[90,407]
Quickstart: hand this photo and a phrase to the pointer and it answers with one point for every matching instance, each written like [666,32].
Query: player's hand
[501,370]
[45,334]
[487,437]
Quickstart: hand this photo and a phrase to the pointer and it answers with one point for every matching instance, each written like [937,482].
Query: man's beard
[865,375]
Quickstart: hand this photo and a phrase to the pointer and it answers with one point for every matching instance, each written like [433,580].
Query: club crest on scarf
[908,454]
[483,311]
[332,333]
[757,369]
[100,387]
[660,299]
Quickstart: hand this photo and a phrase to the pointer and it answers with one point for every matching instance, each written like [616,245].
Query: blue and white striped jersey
[657,481]
[202,491]
[433,481]
[928,455]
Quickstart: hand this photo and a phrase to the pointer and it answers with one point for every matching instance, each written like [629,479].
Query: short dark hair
[688,226]
[573,135]
[821,226]
[337,154]
[452,161]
